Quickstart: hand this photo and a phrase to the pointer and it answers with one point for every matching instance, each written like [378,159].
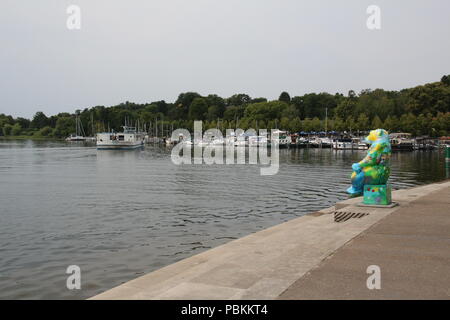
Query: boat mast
[76,126]
[92,124]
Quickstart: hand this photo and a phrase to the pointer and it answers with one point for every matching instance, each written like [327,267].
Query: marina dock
[322,255]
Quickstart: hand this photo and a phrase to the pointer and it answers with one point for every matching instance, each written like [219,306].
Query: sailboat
[79,134]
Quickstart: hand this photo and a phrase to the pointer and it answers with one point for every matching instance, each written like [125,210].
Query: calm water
[120,214]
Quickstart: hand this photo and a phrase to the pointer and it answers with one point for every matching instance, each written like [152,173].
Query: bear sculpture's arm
[373,156]
[371,159]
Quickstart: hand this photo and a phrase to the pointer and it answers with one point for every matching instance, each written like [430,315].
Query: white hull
[76,138]
[342,145]
[129,139]
[362,146]
[119,146]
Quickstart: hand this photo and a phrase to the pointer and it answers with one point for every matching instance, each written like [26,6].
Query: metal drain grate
[342,216]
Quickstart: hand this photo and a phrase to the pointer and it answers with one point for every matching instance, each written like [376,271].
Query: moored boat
[283,141]
[79,131]
[401,141]
[359,144]
[325,142]
[343,144]
[130,138]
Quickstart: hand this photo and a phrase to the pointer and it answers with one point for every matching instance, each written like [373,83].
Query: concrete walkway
[411,246]
[294,260]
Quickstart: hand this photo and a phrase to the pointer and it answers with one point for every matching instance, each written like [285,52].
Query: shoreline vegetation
[423,110]
[31,137]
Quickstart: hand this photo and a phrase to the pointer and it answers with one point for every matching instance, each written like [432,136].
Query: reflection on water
[120,214]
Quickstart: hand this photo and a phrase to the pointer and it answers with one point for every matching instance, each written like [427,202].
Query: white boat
[343,144]
[362,146]
[230,139]
[218,142]
[130,138]
[201,143]
[401,141]
[325,142]
[359,144]
[424,143]
[302,142]
[75,137]
[257,141]
[314,142]
[284,140]
[181,139]
[241,141]
[186,142]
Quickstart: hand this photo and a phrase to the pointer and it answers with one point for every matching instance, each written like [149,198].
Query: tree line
[422,110]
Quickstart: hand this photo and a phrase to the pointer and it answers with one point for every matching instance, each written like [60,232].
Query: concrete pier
[323,255]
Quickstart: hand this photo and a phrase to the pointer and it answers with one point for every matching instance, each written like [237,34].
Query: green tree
[284,97]
[256,100]
[16,129]
[24,123]
[185,99]
[408,123]
[198,109]
[391,124]
[345,109]
[7,128]
[64,127]
[298,103]
[218,102]
[213,113]
[233,112]
[362,122]
[423,124]
[295,125]
[377,123]
[39,121]
[266,110]
[307,125]
[316,124]
[290,112]
[351,94]
[46,131]
[350,124]
[339,124]
[285,123]
[238,99]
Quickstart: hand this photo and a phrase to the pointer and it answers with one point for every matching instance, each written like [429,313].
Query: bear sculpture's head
[378,136]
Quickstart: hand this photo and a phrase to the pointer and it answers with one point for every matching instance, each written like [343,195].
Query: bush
[16,129]
[46,131]
[7,128]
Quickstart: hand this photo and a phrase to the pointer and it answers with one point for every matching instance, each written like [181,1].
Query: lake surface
[121,214]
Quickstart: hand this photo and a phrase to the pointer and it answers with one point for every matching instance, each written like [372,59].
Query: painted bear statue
[374,169]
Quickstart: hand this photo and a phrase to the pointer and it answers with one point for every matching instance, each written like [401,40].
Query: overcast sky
[148,50]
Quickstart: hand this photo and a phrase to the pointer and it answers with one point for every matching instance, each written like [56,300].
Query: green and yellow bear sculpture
[373,171]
